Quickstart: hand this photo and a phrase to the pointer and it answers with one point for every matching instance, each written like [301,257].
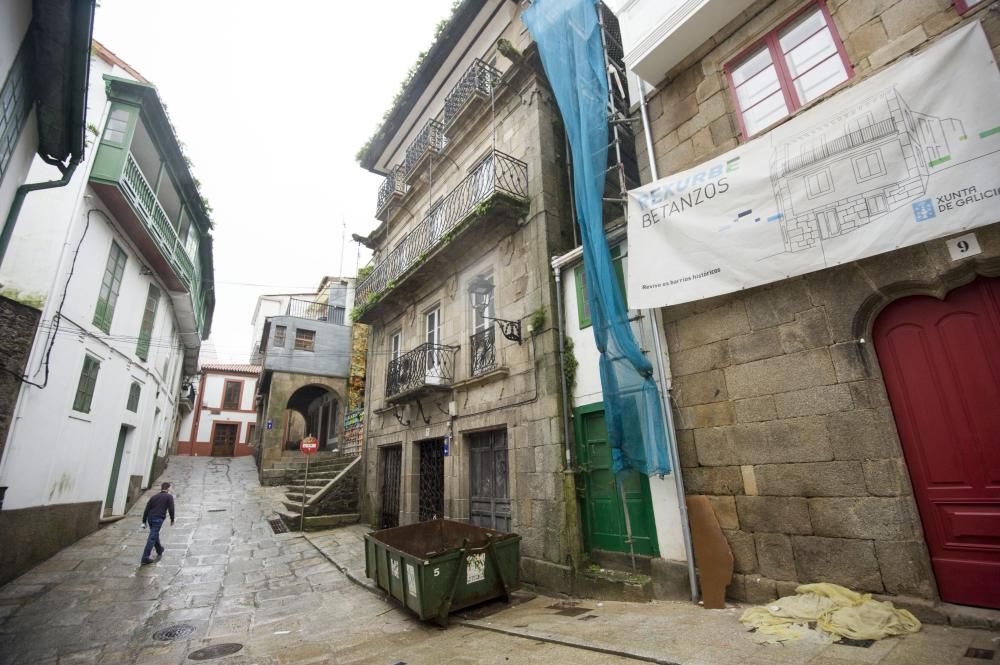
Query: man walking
[155,513]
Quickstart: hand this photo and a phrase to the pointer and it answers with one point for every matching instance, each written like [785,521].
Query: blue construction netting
[568,35]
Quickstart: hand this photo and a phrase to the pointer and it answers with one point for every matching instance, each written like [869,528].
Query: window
[88,381]
[787,69]
[117,128]
[110,285]
[231,395]
[148,319]
[965,5]
[396,345]
[433,320]
[868,166]
[818,183]
[582,301]
[829,223]
[16,102]
[133,397]
[482,311]
[251,430]
[876,204]
[304,339]
[279,336]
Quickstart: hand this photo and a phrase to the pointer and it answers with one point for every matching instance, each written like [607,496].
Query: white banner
[908,155]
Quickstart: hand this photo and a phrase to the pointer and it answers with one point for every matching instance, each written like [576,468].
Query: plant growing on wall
[537,320]
[570,364]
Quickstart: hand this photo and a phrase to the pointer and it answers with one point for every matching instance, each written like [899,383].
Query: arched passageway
[314,410]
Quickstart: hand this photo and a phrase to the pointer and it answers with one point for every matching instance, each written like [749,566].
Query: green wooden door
[601,504]
[113,483]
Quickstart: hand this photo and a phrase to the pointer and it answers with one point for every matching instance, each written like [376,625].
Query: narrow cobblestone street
[229,579]
[226,578]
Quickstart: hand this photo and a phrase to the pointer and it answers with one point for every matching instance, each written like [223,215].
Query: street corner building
[219,413]
[818,230]
[463,405]
[311,378]
[108,292]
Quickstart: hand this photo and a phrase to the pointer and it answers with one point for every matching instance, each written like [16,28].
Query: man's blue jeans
[154,538]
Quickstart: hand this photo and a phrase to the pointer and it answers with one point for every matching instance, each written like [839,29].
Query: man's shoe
[146,562]
[159,555]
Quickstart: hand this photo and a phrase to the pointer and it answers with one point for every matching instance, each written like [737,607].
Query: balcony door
[483,346]
[433,328]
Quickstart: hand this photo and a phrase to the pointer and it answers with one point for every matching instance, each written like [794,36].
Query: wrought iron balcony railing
[393,185]
[427,366]
[430,139]
[317,311]
[497,174]
[478,80]
[483,351]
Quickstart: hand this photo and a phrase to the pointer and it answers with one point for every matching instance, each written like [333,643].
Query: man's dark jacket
[159,506]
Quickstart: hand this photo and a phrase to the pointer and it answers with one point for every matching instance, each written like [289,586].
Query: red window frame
[963,7]
[785,80]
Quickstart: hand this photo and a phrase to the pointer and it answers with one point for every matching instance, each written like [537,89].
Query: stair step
[609,584]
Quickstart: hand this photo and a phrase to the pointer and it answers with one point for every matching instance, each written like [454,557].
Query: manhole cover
[215,651]
[278,526]
[216,510]
[864,644]
[175,632]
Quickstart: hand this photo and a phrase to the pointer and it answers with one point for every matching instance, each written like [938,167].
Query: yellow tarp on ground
[837,612]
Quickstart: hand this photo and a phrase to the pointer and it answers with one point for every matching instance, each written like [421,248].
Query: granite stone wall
[782,414]
[18,323]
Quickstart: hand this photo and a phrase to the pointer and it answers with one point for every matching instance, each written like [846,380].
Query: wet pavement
[227,579]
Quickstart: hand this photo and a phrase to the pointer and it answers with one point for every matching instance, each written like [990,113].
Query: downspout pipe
[562,365]
[22,192]
[675,458]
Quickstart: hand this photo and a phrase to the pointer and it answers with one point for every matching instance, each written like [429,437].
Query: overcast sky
[272,101]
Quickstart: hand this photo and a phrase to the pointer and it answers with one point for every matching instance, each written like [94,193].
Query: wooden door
[224,439]
[603,516]
[109,500]
[489,488]
[941,363]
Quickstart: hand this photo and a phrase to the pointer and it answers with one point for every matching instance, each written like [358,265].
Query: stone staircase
[330,494]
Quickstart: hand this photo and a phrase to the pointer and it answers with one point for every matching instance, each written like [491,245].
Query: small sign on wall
[963,246]
[270,424]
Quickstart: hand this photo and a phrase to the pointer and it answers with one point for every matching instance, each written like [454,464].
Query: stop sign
[309,445]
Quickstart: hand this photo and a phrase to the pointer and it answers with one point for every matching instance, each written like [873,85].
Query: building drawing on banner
[857,167]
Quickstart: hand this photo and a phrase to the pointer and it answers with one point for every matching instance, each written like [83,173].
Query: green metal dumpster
[439,566]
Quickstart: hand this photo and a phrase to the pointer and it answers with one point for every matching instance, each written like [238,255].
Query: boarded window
[279,336]
[305,340]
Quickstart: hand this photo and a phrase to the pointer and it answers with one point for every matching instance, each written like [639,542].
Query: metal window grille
[392,463]
[431,497]
[483,350]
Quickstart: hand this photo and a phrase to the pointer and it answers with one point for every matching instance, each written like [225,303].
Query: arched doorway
[941,364]
[315,410]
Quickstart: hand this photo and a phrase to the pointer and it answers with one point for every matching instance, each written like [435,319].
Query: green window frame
[148,320]
[133,397]
[87,384]
[110,285]
[582,305]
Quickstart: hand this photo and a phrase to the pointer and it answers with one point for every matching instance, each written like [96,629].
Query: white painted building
[224,418]
[121,258]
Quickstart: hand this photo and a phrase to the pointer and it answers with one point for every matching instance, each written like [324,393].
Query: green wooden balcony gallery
[499,177]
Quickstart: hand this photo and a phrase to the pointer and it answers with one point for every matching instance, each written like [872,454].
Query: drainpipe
[675,459]
[562,364]
[22,192]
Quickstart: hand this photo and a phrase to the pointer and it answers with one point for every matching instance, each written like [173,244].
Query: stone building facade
[18,323]
[463,420]
[780,401]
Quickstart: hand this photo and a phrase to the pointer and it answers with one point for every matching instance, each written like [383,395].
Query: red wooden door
[224,440]
[941,363]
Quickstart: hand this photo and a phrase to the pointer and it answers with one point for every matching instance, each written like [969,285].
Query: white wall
[663,491]
[212,399]
[53,454]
